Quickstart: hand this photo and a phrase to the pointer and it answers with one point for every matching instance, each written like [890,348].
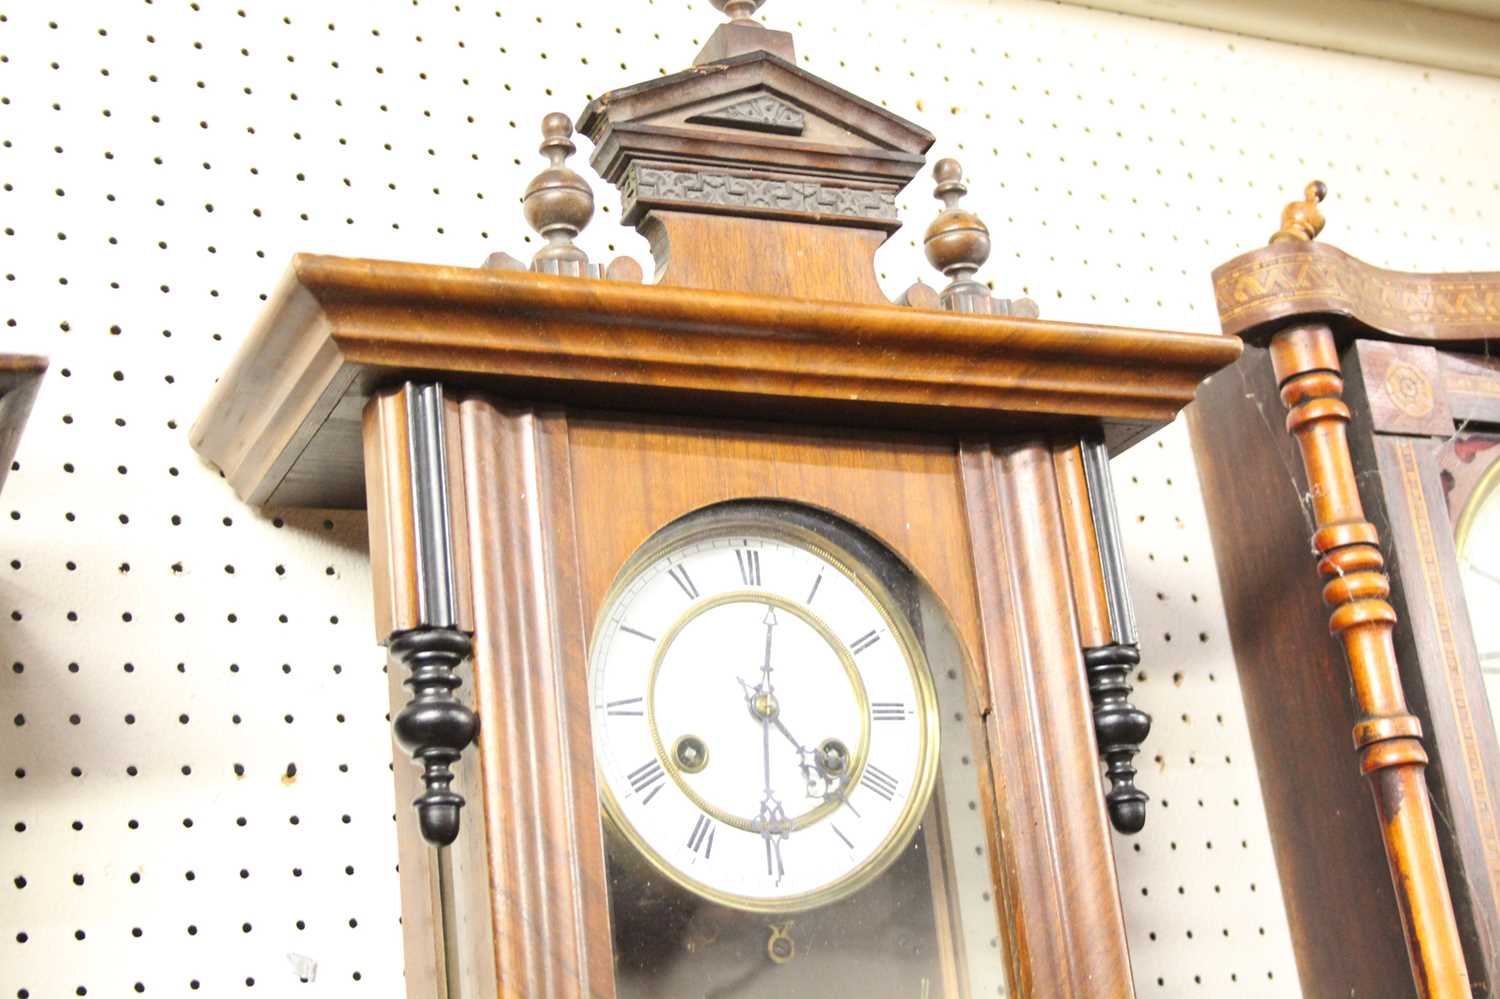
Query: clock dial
[764,720]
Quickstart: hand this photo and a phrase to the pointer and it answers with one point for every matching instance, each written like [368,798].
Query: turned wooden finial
[957,242]
[558,202]
[1301,221]
[739,11]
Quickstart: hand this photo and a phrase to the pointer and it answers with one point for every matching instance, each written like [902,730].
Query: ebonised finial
[558,202]
[1301,221]
[1120,727]
[957,242]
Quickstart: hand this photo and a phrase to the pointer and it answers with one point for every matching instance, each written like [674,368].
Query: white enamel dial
[764,723]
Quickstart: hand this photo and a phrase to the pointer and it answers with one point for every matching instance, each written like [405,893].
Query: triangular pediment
[756,136]
[763,112]
[758,92]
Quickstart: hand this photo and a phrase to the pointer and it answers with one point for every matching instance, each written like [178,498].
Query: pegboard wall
[195,752]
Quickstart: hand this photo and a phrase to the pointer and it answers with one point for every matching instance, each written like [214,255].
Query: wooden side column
[1388,737]
[419,568]
[1106,622]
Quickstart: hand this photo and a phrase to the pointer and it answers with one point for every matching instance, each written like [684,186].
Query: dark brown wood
[1063,915]
[1387,735]
[877,481]
[1408,649]
[283,422]
[1403,383]
[1082,547]
[393,557]
[1472,386]
[540,814]
[1329,855]
[765,362]
[1292,278]
[1440,656]
[668,144]
[911,493]
[20,376]
[431,926]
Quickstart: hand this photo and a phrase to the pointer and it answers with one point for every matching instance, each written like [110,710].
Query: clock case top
[1417,378]
[283,423]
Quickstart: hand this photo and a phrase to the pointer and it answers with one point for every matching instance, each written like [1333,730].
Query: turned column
[1387,737]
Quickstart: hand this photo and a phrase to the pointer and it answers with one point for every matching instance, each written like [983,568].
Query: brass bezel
[745,520]
[846,659]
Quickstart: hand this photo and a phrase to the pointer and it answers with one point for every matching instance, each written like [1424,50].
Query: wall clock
[752,634]
[1393,402]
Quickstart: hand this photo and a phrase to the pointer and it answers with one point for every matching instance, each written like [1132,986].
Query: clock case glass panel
[912,915]
[1471,481]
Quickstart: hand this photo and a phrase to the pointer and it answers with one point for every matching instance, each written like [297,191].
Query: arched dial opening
[787,768]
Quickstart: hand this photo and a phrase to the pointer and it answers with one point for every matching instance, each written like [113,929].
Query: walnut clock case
[762,636]
[1394,404]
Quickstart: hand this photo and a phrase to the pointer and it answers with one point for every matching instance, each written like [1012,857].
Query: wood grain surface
[1328,851]
[1062,917]
[283,422]
[539,807]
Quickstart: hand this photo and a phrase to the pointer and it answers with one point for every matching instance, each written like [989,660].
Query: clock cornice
[283,422]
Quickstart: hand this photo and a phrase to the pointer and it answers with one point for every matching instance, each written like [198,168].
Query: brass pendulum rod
[1387,737]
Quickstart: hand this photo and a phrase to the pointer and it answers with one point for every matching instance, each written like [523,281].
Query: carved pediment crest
[761,113]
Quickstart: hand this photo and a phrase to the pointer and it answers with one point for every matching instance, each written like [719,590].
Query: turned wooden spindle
[1387,737]
[957,242]
[558,203]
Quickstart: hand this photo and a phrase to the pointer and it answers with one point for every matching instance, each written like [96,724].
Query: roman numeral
[648,775]
[816,583]
[680,576]
[749,566]
[638,634]
[774,867]
[878,781]
[629,706]
[702,837]
[863,642]
[887,710]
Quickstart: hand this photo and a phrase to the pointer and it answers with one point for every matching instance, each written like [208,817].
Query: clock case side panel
[1058,886]
[947,512]
[1334,874]
[1434,643]
[539,806]
[1292,675]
